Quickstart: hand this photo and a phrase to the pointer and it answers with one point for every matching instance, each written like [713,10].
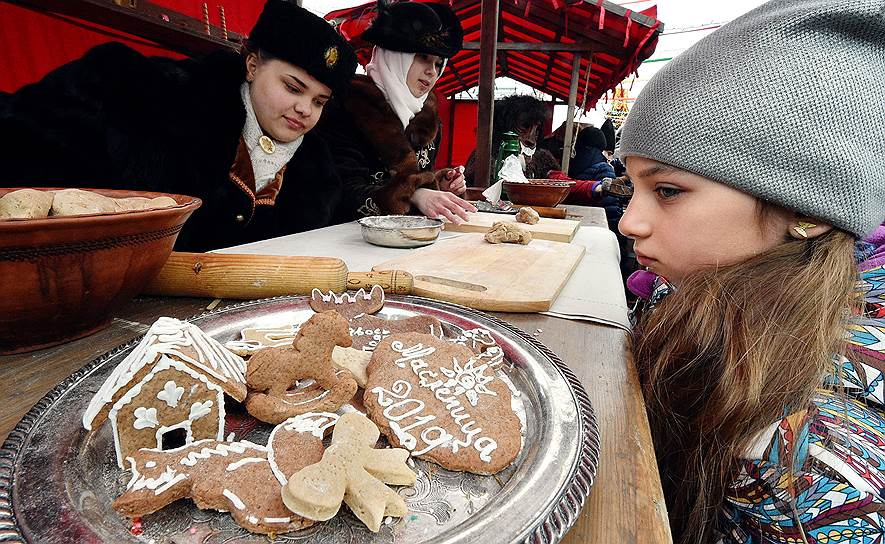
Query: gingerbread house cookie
[169,391]
[443,402]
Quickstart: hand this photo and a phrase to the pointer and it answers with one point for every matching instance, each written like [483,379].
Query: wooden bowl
[64,277]
[539,192]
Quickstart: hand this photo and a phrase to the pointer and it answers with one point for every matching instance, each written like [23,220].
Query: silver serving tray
[57,483]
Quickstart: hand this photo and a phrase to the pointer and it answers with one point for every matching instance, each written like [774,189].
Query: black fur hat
[413,27]
[591,137]
[608,129]
[293,34]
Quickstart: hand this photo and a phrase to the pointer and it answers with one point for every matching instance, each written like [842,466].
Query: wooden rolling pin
[241,276]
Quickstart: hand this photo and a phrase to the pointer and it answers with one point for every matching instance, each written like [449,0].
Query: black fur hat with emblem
[293,34]
[416,27]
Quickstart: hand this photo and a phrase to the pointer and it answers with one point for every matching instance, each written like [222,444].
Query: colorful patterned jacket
[839,442]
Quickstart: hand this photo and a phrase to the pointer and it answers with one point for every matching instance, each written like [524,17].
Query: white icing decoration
[468,380]
[222,449]
[253,520]
[145,417]
[277,520]
[170,483]
[171,394]
[200,409]
[314,423]
[149,464]
[244,461]
[168,338]
[161,483]
[345,298]
[234,499]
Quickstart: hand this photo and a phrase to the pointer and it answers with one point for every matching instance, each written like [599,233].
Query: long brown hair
[732,351]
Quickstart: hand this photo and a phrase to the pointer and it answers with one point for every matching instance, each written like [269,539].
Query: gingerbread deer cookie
[366,329]
[242,478]
[271,373]
[443,402]
[353,471]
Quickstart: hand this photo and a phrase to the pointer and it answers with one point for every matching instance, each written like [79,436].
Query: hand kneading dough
[25,204]
[508,233]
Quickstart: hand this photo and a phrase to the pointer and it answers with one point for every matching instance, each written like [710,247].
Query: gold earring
[800,228]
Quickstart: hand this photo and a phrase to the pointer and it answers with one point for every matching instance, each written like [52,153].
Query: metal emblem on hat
[331,56]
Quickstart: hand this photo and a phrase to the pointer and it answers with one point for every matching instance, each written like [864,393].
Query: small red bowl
[538,192]
[64,277]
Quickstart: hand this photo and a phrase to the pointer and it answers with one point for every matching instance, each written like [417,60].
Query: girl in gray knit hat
[768,419]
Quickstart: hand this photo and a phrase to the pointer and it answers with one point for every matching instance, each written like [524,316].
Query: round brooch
[267,145]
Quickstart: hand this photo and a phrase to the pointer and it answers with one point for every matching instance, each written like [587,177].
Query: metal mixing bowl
[400,230]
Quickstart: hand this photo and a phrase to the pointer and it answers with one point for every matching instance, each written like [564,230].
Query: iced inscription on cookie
[443,402]
[242,478]
[368,330]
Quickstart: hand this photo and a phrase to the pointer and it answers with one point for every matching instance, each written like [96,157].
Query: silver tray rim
[550,529]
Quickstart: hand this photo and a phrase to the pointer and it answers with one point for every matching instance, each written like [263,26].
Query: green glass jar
[509,146]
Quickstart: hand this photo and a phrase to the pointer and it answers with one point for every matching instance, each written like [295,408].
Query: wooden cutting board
[495,277]
[558,230]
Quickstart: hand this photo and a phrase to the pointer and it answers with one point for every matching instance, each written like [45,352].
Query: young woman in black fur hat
[385,136]
[232,129]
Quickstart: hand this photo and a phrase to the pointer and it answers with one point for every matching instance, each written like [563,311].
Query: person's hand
[453,181]
[442,203]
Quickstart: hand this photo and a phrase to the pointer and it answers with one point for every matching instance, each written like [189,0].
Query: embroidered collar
[264,165]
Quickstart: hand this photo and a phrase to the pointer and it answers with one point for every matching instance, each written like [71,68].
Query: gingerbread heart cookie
[368,330]
[443,402]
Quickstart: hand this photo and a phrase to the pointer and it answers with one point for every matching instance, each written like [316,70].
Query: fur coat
[379,163]
[117,119]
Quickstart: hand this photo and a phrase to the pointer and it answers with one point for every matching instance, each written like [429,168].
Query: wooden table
[625,504]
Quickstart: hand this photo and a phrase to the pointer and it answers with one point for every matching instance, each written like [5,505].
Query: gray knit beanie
[785,102]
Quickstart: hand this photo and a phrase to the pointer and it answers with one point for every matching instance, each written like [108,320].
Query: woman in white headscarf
[385,135]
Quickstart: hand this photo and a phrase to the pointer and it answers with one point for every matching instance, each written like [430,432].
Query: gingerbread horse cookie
[366,329]
[443,402]
[353,471]
[271,373]
[242,478]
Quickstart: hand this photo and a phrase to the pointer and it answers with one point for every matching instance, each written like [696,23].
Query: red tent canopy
[617,38]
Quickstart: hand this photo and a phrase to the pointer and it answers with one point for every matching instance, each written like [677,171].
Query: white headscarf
[389,69]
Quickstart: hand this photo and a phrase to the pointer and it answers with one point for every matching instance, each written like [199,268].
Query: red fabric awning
[621,40]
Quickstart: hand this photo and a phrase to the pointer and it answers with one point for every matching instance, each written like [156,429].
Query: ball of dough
[78,202]
[508,233]
[527,215]
[26,204]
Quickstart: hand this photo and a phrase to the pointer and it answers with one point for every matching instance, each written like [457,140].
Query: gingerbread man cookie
[271,373]
[242,478]
[353,471]
[368,330]
[443,402]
